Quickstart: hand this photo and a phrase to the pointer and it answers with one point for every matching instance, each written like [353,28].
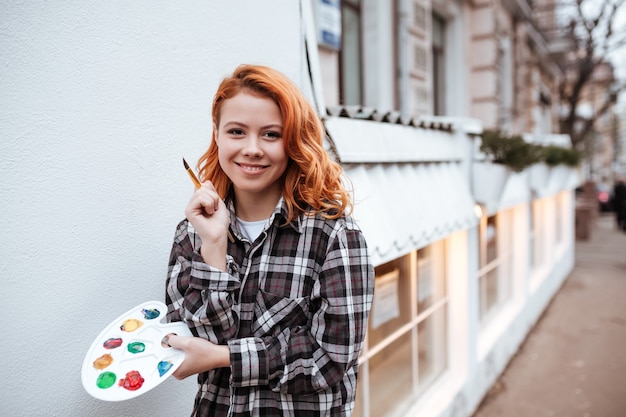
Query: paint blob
[132,382]
[131,325]
[150,313]
[136,347]
[103,361]
[106,380]
[112,343]
[164,366]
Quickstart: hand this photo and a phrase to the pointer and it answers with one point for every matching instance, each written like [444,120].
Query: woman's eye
[236,132]
[273,135]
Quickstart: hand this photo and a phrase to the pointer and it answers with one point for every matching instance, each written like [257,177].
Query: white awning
[367,141]
[405,206]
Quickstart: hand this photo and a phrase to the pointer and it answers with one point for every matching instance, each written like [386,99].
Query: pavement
[573,361]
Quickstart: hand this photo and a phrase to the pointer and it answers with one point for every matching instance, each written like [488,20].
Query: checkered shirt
[293,308]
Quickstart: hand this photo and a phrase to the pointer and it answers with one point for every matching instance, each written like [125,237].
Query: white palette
[127,358]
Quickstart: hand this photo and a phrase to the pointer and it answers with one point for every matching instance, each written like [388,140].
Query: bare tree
[594,34]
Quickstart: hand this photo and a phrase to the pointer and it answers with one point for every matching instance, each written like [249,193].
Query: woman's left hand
[200,355]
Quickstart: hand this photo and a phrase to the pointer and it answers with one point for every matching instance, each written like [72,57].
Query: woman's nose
[252,147]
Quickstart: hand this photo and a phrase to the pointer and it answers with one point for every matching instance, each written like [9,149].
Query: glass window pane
[438,65]
[351,56]
[392,300]
[505,279]
[491,289]
[488,292]
[438,30]
[432,344]
[491,235]
[391,377]
[431,276]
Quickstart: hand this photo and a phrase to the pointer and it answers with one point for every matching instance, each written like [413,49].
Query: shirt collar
[278,216]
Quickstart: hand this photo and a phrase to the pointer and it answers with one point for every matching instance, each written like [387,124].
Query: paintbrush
[196,182]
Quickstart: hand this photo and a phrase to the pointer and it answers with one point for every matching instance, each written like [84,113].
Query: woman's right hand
[209,216]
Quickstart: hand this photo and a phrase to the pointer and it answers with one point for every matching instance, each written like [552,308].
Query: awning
[407,178]
[368,141]
[405,206]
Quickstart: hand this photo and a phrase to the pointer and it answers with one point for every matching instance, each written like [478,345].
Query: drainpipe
[311,58]
[403,13]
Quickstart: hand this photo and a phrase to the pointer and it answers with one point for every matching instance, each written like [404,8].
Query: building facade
[467,252]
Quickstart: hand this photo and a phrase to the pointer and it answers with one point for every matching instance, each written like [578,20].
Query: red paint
[132,382]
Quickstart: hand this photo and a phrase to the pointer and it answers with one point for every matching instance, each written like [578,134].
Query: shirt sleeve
[198,294]
[305,360]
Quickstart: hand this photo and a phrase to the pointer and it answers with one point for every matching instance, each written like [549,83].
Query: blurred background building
[536,68]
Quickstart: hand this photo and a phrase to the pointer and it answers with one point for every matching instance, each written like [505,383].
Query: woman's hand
[209,216]
[200,355]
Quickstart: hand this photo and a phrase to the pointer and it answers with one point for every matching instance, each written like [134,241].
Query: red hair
[312,181]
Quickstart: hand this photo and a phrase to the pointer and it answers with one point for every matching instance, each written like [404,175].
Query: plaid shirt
[292,307]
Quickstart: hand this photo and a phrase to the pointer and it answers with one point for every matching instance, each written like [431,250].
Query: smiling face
[250,146]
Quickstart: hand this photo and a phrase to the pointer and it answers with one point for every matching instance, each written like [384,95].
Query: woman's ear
[215,134]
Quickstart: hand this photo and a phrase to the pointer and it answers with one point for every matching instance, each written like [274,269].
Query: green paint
[136,347]
[106,380]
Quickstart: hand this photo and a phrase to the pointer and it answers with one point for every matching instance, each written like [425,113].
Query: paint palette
[127,358]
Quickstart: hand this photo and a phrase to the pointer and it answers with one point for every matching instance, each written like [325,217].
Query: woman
[268,269]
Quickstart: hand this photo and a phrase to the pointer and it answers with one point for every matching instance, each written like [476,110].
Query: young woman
[268,269]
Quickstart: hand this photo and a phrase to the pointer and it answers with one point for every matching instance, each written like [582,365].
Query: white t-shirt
[251,230]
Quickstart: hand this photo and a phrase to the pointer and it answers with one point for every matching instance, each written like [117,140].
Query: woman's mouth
[251,168]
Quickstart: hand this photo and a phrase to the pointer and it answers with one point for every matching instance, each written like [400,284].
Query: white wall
[100,101]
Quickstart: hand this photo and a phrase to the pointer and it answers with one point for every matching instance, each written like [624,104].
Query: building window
[431,314]
[438,64]
[407,344]
[419,16]
[419,57]
[495,261]
[350,57]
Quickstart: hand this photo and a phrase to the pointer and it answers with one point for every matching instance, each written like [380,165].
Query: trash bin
[585,216]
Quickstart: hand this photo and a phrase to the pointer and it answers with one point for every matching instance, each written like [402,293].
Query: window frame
[438,65]
[425,329]
[498,269]
[355,7]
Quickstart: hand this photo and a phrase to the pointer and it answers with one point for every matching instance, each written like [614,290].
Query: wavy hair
[312,182]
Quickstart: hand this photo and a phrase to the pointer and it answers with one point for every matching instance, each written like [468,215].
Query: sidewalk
[573,362]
